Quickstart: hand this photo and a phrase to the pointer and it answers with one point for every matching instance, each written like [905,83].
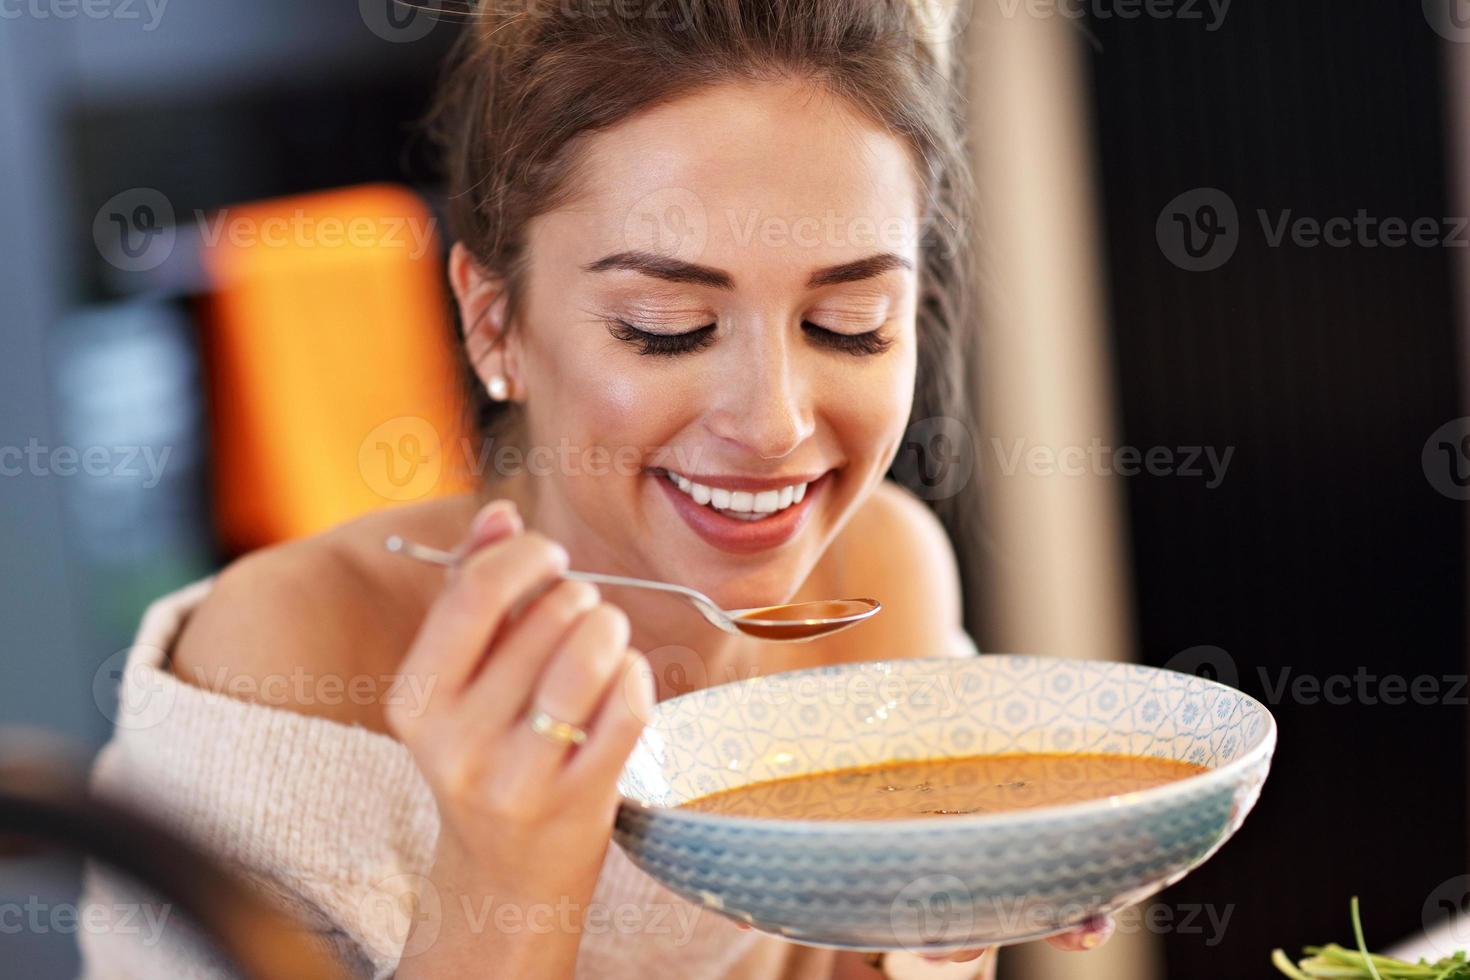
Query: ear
[482,300]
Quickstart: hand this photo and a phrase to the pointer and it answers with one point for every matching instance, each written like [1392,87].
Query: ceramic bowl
[944,882]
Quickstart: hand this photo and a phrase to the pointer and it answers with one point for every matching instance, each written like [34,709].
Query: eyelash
[663,344]
[669,345]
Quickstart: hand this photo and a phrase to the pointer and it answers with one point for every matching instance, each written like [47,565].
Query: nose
[764,402]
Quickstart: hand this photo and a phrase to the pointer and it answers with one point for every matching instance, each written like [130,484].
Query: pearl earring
[497,387]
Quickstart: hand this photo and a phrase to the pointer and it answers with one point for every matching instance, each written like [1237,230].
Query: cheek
[606,399]
[586,395]
[871,410]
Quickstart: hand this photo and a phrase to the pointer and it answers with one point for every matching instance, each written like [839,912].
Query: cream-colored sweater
[330,819]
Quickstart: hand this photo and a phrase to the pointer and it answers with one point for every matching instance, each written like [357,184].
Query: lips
[736,535]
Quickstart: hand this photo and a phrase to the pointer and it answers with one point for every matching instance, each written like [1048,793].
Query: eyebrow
[676,270]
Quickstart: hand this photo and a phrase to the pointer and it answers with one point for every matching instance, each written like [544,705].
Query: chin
[763,587]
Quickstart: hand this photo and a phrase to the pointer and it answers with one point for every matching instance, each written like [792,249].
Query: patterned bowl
[950,882]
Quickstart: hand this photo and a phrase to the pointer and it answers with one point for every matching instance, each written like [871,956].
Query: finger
[504,687]
[572,684]
[963,956]
[625,709]
[497,519]
[1090,935]
[476,602]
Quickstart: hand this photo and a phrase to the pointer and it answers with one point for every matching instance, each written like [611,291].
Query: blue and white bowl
[944,882]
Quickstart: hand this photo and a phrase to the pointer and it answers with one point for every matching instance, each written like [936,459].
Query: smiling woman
[726,248]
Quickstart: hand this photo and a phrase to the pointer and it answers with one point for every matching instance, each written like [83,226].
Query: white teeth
[740,503]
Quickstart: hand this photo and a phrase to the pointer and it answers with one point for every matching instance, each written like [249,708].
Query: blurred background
[1221,375]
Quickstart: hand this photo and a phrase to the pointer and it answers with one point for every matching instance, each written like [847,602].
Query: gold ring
[558,731]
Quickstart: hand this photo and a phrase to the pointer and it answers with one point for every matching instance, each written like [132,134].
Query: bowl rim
[1228,773]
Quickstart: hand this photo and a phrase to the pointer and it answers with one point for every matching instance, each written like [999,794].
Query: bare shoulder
[316,625]
[895,550]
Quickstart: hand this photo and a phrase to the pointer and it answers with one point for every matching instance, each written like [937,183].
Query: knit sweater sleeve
[332,821]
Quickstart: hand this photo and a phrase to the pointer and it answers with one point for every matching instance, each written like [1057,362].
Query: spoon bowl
[787,622]
[792,622]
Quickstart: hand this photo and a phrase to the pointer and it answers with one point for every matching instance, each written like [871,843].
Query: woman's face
[729,303]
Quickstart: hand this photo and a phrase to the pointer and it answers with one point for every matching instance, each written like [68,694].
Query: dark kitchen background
[1334,545]
[1327,550]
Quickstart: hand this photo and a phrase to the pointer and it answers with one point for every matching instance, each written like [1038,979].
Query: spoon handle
[422,552]
[448,558]
[706,607]
[601,578]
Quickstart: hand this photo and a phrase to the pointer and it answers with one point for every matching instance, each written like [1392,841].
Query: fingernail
[1095,932]
[495,520]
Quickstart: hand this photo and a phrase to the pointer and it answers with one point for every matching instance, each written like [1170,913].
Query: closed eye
[864,344]
[662,344]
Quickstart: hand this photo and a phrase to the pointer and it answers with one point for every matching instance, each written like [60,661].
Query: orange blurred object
[334,384]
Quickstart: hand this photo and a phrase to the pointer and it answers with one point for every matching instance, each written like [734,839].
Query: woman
[713,253]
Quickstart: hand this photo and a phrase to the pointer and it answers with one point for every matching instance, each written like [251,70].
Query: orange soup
[945,787]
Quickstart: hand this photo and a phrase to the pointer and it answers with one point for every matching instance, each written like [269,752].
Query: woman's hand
[1089,935]
[524,819]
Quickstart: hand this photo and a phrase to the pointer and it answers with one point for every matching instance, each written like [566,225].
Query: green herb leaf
[1334,962]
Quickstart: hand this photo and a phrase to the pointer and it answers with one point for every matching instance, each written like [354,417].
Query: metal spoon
[791,622]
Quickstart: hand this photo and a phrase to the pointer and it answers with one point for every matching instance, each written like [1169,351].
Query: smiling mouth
[745,505]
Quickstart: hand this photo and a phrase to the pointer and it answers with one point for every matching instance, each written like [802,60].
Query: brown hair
[528,77]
